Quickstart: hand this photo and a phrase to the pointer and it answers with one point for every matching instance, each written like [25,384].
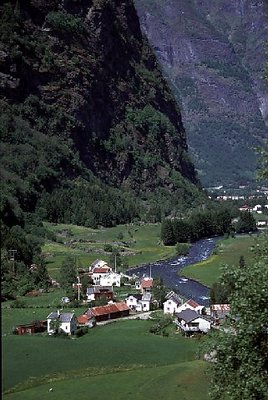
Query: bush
[66,22]
[182,249]
[18,304]
[108,248]
[81,331]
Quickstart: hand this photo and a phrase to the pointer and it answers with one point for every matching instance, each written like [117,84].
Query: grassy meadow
[228,251]
[121,358]
[137,244]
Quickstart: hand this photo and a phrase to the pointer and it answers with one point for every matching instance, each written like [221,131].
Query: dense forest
[86,115]
[90,131]
[203,224]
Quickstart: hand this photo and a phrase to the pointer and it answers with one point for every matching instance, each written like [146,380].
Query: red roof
[101,270]
[192,303]
[109,309]
[146,283]
[83,319]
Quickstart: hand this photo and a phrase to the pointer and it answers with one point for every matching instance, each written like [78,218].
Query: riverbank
[227,251]
[170,271]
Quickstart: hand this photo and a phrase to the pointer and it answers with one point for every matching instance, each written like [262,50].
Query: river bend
[169,271]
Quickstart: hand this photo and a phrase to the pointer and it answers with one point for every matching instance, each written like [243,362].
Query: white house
[219,312]
[257,209]
[133,301]
[261,223]
[139,302]
[96,292]
[172,303]
[67,322]
[190,321]
[192,305]
[146,285]
[98,272]
[146,301]
[99,264]
[110,279]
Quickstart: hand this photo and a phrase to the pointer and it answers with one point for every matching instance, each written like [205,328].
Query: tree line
[205,224]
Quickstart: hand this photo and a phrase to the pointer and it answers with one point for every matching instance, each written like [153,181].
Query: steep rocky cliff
[213,52]
[81,91]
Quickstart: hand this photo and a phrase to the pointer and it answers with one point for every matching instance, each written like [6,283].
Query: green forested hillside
[84,102]
[90,132]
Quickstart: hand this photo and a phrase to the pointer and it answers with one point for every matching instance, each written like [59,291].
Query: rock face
[82,72]
[213,53]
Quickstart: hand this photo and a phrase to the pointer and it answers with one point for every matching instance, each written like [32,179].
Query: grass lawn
[121,358]
[228,252]
[138,244]
[185,381]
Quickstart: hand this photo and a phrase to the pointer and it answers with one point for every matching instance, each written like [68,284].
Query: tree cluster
[240,370]
[199,225]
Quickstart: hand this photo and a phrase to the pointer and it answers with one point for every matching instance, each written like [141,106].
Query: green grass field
[228,252]
[185,381]
[121,358]
[140,244]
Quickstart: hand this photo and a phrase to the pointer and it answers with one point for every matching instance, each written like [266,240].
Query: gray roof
[174,297]
[99,289]
[188,315]
[64,317]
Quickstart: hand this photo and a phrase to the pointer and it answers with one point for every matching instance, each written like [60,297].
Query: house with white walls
[139,302]
[189,321]
[67,322]
[110,279]
[172,303]
[192,305]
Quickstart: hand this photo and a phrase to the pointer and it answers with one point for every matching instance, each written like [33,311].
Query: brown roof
[109,309]
[101,270]
[83,319]
[146,283]
[193,303]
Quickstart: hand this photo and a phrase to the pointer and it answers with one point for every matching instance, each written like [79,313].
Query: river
[168,270]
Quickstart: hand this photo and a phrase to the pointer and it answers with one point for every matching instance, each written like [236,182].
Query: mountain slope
[83,97]
[213,54]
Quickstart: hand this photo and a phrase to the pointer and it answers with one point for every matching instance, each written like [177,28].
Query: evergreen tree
[159,291]
[167,234]
[246,222]
[68,274]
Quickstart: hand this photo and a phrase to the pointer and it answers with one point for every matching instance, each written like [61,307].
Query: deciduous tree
[240,370]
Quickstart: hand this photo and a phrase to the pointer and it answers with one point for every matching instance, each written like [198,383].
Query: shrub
[108,248]
[66,22]
[18,304]
[182,249]
[81,331]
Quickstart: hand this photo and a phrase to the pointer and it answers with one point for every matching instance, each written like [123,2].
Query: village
[188,316]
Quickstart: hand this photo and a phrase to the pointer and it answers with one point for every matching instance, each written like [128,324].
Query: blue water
[168,270]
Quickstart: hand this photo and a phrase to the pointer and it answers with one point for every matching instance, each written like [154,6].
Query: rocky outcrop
[83,73]
[213,53]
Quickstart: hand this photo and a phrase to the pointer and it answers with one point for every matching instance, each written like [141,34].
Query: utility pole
[115,263]
[78,288]
[12,258]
